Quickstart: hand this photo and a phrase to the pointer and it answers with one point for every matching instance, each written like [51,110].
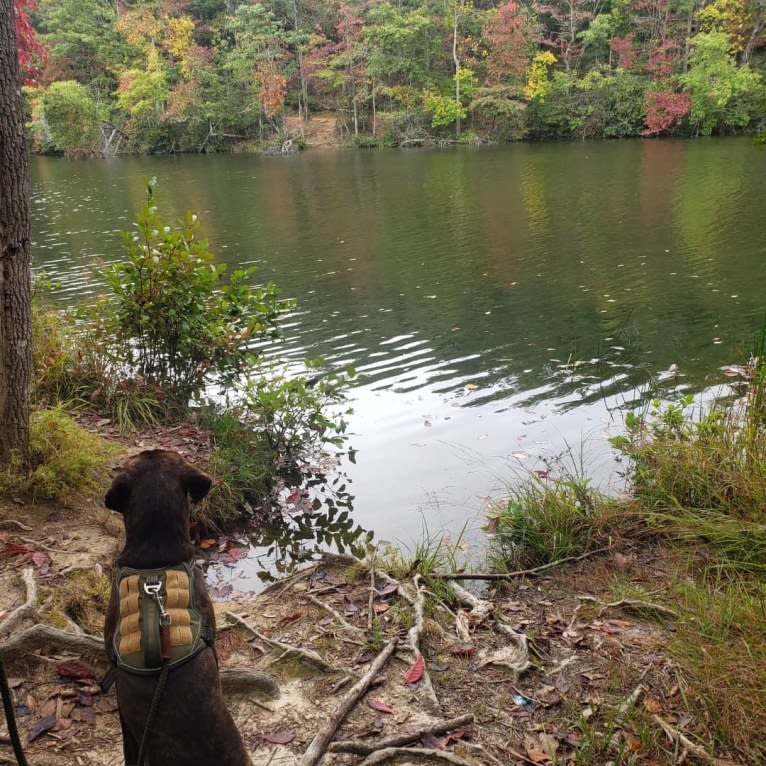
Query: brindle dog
[193,726]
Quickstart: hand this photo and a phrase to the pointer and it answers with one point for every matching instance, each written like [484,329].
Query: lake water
[501,303]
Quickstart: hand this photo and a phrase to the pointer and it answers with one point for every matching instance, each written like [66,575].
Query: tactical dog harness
[159,622]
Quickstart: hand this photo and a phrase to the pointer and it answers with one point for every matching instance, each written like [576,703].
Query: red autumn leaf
[429,741]
[279,738]
[15,550]
[74,669]
[415,672]
[292,617]
[381,707]
[40,558]
[463,651]
[43,725]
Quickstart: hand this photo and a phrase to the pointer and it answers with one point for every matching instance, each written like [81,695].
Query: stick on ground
[318,745]
[358,747]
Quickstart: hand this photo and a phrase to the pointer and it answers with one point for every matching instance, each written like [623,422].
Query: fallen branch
[40,635]
[15,523]
[318,745]
[28,609]
[696,750]
[309,655]
[427,756]
[358,747]
[518,573]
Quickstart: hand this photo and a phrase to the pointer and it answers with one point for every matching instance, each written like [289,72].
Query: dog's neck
[155,541]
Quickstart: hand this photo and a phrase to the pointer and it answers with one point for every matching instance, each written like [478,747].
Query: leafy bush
[171,319]
[276,431]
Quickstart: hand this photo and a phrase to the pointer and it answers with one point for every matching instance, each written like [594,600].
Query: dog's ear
[118,495]
[196,483]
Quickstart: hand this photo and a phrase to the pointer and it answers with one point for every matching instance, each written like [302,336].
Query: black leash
[158,692]
[10,717]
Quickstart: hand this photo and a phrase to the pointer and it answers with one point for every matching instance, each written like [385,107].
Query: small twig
[371,599]
[318,745]
[359,747]
[307,654]
[475,747]
[334,612]
[629,603]
[696,750]
[28,609]
[622,712]
[45,547]
[17,524]
[431,756]
[518,573]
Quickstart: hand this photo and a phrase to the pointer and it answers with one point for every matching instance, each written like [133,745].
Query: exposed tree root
[28,610]
[358,747]
[631,604]
[519,573]
[318,745]
[309,655]
[424,755]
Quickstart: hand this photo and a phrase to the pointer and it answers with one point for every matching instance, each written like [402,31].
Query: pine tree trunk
[15,309]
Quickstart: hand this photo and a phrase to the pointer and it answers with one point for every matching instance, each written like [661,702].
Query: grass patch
[545,519]
[722,648]
[64,462]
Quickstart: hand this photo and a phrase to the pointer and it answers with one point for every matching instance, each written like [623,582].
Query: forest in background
[142,76]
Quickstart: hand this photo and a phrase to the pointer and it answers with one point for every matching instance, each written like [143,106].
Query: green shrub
[170,318]
[276,432]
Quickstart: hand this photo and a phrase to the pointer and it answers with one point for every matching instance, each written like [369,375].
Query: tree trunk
[15,308]
[456,61]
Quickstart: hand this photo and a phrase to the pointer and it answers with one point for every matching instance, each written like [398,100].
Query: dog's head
[151,491]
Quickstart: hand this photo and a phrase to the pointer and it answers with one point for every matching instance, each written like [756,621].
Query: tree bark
[15,298]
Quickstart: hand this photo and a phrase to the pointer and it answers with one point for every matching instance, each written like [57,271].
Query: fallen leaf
[208,542]
[389,590]
[463,651]
[381,707]
[380,608]
[429,741]
[292,617]
[14,550]
[279,738]
[74,669]
[415,672]
[40,559]
[43,725]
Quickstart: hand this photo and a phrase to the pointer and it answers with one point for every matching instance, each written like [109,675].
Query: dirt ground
[548,668]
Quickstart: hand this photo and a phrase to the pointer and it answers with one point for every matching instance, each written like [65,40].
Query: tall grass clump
[64,460]
[701,473]
[546,519]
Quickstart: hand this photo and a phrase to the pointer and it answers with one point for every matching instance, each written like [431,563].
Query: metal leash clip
[152,589]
